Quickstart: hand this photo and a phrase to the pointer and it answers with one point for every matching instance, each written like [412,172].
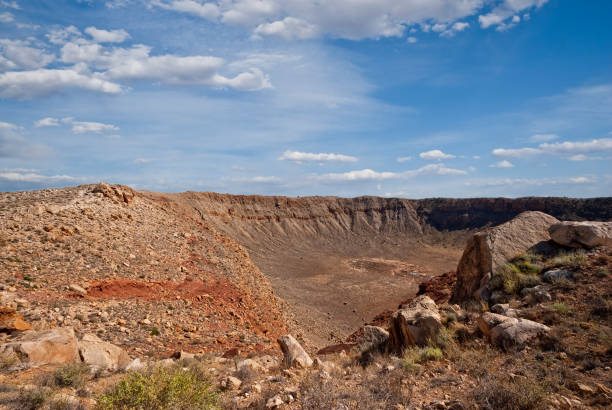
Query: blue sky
[412,98]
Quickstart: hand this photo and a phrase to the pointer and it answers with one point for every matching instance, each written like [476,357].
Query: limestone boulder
[489,250]
[101,355]
[46,347]
[294,354]
[11,321]
[582,234]
[416,324]
[507,332]
[557,274]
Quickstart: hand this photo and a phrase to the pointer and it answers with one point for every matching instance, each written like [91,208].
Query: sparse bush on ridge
[575,259]
[512,280]
[161,388]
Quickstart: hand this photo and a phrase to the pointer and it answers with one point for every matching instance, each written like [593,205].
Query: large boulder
[416,324]
[11,321]
[582,234]
[293,353]
[46,347]
[489,250]
[101,355]
[374,338]
[507,332]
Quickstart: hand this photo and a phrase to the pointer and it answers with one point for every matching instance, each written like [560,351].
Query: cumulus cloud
[299,157]
[47,122]
[344,18]
[36,178]
[530,181]
[19,54]
[136,63]
[289,28]
[43,82]
[107,36]
[403,159]
[83,127]
[567,148]
[208,11]
[502,164]
[505,16]
[435,155]
[371,175]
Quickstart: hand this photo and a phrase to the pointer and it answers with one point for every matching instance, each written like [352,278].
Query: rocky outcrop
[582,234]
[373,339]
[116,193]
[46,347]
[416,324]
[488,250]
[11,321]
[101,355]
[507,332]
[293,353]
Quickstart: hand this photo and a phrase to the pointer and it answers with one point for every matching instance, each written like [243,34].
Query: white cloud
[411,40]
[403,159]
[297,156]
[18,54]
[136,63]
[543,137]
[476,156]
[258,179]
[62,35]
[515,153]
[336,18]
[82,127]
[141,161]
[502,164]
[289,28]
[580,180]
[36,178]
[578,157]
[209,10]
[10,4]
[435,155]
[106,36]
[6,17]
[455,28]
[580,147]
[507,10]
[47,122]
[43,82]
[371,175]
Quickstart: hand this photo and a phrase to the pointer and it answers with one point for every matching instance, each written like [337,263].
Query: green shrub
[510,278]
[528,263]
[32,399]
[161,388]
[561,308]
[70,375]
[155,332]
[416,355]
[576,259]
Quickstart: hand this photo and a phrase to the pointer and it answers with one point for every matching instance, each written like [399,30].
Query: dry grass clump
[512,280]
[7,360]
[376,389]
[505,393]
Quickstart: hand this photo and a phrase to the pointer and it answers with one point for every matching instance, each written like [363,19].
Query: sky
[396,98]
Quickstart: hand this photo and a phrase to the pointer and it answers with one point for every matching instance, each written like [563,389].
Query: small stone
[78,289]
[274,402]
[230,383]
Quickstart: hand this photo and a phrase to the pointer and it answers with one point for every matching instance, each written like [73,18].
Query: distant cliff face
[240,214]
[474,213]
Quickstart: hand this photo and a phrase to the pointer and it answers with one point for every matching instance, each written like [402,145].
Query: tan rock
[489,250]
[11,321]
[294,354]
[582,234]
[117,193]
[416,324]
[506,331]
[101,355]
[53,346]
